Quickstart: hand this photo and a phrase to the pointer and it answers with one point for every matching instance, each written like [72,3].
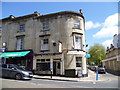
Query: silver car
[14,71]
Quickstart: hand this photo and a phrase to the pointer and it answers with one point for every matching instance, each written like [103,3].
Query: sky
[101,18]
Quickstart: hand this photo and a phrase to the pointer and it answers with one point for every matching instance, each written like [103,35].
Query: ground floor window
[43,66]
[78,61]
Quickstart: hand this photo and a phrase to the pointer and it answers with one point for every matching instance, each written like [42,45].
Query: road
[112,82]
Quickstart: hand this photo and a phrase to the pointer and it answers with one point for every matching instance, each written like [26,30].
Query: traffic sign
[88,55]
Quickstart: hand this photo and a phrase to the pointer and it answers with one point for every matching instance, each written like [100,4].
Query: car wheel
[18,76]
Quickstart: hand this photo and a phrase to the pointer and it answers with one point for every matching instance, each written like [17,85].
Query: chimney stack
[11,16]
[80,11]
[38,14]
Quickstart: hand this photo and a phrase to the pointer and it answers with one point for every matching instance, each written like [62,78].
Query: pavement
[91,77]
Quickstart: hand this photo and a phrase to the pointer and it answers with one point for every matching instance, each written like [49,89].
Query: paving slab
[91,77]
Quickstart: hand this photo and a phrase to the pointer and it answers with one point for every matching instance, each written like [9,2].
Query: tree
[97,53]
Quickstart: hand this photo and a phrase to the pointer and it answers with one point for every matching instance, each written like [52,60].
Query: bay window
[78,42]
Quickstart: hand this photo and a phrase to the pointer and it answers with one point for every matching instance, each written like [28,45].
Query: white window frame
[44,44]
[20,43]
[77,24]
[77,43]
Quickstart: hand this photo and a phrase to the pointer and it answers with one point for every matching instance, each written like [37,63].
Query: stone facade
[112,61]
[0,37]
[57,40]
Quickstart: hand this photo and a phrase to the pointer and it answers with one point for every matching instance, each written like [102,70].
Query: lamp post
[87,56]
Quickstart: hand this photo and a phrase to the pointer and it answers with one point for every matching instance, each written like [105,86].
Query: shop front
[23,58]
[49,63]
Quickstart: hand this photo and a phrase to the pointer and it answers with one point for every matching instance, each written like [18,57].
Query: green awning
[14,54]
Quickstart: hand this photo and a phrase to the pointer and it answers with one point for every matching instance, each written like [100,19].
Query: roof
[11,17]
[62,13]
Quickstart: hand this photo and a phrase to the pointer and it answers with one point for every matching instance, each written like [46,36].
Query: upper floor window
[45,26]
[78,42]
[22,27]
[45,41]
[44,44]
[77,24]
[20,43]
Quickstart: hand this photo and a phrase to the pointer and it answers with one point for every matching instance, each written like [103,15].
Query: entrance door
[56,68]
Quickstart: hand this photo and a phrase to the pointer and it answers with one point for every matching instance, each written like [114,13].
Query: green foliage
[97,53]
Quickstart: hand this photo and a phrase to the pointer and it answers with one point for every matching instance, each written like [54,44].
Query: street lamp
[4,45]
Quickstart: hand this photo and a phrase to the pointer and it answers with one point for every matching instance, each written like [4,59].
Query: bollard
[51,73]
[96,74]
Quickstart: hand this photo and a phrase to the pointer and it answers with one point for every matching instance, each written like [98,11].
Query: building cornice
[12,18]
[38,15]
[112,58]
[62,13]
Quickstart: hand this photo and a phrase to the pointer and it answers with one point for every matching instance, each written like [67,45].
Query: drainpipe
[62,63]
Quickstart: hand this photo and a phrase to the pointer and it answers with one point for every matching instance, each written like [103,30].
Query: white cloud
[109,27]
[106,32]
[111,20]
[107,43]
[90,25]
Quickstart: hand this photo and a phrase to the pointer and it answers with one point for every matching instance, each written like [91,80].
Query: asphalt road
[40,83]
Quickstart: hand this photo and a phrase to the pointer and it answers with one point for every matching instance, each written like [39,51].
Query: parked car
[93,68]
[14,71]
[101,70]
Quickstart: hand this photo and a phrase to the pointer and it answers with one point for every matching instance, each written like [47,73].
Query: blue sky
[100,17]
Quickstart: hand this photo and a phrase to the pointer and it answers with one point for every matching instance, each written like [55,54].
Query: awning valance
[14,54]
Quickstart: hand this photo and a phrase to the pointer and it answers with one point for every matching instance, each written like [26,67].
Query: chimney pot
[80,11]
[11,16]
[38,14]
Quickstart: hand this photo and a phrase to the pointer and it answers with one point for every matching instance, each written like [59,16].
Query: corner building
[56,41]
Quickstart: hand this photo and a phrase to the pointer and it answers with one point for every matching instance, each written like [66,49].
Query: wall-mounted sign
[87,55]
[76,52]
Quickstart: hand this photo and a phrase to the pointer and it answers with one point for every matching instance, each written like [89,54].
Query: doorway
[56,68]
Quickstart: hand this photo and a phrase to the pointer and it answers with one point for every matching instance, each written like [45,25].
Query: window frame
[77,24]
[21,27]
[78,61]
[21,46]
[45,41]
[44,44]
[77,42]
[45,26]
[43,66]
